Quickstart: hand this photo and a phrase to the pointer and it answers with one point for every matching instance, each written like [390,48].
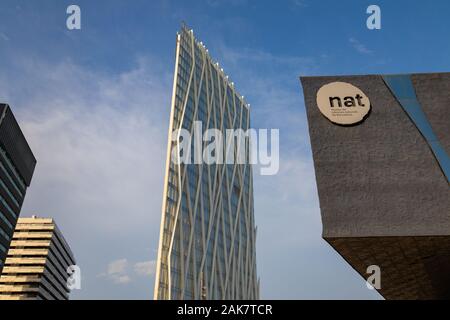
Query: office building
[37,262]
[17,165]
[380,145]
[207,238]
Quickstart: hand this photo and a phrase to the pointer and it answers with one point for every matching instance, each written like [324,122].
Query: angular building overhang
[15,144]
[383,182]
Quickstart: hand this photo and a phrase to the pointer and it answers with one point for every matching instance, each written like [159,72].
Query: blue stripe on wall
[402,88]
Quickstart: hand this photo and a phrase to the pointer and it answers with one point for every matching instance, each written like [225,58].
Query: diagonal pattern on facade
[207,241]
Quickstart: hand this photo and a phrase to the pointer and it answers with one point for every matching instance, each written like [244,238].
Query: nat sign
[343,103]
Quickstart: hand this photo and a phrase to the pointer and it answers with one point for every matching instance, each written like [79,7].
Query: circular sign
[342,103]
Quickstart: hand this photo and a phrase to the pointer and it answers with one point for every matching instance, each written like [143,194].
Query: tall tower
[37,262]
[17,164]
[207,238]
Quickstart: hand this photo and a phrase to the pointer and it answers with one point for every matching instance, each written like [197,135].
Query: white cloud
[100,142]
[358,46]
[124,279]
[117,266]
[117,272]
[300,3]
[145,268]
[258,56]
[217,3]
[4,36]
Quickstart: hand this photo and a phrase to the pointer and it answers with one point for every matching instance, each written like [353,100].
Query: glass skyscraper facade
[207,238]
[17,165]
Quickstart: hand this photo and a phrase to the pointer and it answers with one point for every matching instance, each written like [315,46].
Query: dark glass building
[17,164]
[381,146]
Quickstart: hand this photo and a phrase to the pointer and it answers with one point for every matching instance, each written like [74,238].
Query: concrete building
[207,238]
[17,164]
[37,262]
[380,146]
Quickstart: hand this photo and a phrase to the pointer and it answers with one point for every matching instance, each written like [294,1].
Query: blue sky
[94,105]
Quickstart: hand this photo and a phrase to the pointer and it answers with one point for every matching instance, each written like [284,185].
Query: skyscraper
[17,165]
[207,237]
[37,262]
[381,146]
